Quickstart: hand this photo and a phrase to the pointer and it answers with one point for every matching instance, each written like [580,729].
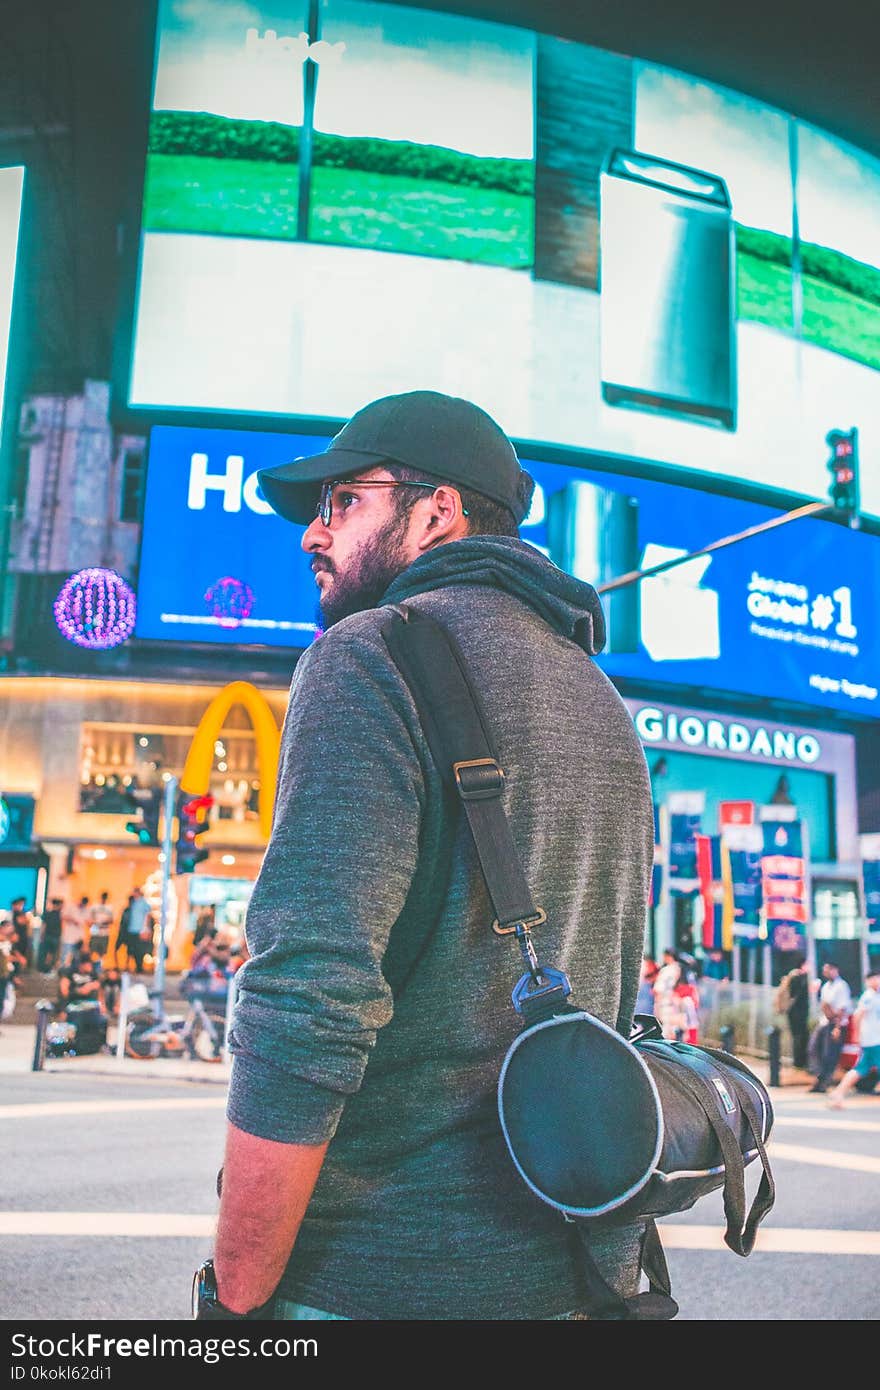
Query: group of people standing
[68,928]
[669,991]
[820,1051]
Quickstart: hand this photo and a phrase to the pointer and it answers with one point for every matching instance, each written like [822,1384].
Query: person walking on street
[793,999]
[366,1173]
[647,976]
[835,1006]
[50,941]
[867,1018]
[21,924]
[100,923]
[139,928]
[74,926]
[668,1006]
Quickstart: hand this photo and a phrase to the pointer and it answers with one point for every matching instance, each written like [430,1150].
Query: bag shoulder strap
[458,736]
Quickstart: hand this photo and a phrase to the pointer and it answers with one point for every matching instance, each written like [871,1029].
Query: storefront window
[836,911]
[115,758]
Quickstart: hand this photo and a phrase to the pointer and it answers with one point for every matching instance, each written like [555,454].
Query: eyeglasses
[325,501]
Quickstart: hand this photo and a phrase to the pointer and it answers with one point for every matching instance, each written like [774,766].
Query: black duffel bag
[607,1130]
[610,1132]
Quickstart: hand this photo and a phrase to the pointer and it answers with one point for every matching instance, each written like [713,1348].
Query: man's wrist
[209,1307]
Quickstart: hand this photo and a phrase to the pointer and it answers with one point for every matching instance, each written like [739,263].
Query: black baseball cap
[442,437]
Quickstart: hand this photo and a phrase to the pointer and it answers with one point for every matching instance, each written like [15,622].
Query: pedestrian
[867,1018]
[793,1000]
[668,1007]
[50,940]
[100,923]
[12,964]
[647,976]
[121,942]
[835,1007]
[374,1012]
[716,967]
[139,929]
[205,925]
[74,926]
[688,995]
[7,971]
[21,924]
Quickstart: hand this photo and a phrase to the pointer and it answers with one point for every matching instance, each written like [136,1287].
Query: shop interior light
[228,859]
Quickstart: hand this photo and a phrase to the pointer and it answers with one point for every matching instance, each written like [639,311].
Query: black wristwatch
[206,1305]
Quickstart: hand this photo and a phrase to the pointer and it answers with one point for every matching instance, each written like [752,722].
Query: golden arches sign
[200,759]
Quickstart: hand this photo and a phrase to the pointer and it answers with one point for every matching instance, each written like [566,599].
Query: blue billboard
[793,614]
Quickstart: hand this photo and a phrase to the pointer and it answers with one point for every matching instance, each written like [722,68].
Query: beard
[369,571]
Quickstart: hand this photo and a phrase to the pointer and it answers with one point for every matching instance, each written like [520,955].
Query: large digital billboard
[11,188]
[348,199]
[792,614]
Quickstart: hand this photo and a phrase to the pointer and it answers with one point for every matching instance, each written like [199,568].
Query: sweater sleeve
[336,875]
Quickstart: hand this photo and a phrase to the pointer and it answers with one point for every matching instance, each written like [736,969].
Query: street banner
[736,813]
[657,875]
[785,881]
[743,846]
[683,822]
[869,846]
[710,874]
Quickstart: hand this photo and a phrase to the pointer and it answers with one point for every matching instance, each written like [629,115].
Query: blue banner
[745,872]
[871,876]
[682,867]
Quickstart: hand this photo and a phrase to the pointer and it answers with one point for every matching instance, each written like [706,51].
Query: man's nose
[316,536]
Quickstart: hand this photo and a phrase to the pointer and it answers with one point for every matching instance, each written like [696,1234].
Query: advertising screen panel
[11,187]
[793,614]
[352,199]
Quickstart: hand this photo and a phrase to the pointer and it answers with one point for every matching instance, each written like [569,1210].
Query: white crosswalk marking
[776,1240]
[40,1109]
[825,1158]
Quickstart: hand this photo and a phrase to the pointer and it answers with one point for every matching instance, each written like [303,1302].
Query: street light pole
[159,977]
[307,130]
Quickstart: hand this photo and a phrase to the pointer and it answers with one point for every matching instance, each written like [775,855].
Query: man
[365,1173]
[101,920]
[74,925]
[867,1018]
[139,930]
[51,937]
[835,1007]
[21,922]
[796,1001]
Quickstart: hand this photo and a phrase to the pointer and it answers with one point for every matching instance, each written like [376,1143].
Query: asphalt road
[105,1212]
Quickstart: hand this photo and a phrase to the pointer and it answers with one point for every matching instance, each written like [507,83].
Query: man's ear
[444,519]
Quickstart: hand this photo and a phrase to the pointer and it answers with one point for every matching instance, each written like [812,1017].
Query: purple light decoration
[230,601]
[95,609]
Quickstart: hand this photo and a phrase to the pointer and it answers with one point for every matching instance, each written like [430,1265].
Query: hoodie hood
[570,606]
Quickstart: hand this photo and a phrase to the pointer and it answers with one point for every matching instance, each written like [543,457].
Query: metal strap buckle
[525,924]
[478,779]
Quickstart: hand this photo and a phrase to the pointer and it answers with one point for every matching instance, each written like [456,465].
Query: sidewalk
[17,1051]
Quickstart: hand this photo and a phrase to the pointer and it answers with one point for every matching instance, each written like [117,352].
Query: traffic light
[843,465]
[192,820]
[147,800]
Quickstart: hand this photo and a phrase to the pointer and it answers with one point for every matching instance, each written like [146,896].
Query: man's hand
[266,1189]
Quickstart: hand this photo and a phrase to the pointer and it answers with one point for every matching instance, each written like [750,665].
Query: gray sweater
[375,1009]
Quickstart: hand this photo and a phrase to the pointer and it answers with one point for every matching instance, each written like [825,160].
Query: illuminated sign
[694,731]
[200,759]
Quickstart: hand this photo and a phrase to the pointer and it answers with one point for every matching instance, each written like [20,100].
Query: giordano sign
[200,759]
[701,733]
